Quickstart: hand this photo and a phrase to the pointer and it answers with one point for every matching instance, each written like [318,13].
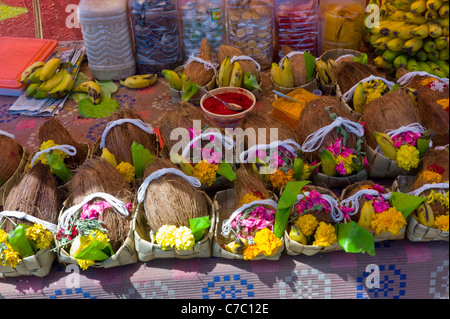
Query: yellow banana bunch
[275,74]
[434,4]
[49,69]
[139,81]
[386,144]
[92,89]
[63,88]
[420,31]
[325,76]
[405,33]
[286,74]
[49,84]
[419,7]
[412,45]
[236,78]
[173,79]
[237,247]
[430,15]
[29,70]
[328,163]
[225,72]
[296,235]
[359,98]
[424,215]
[434,30]
[443,11]
[395,44]
[366,215]
[35,77]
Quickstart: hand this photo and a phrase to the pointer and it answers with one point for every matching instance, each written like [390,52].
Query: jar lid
[101,8]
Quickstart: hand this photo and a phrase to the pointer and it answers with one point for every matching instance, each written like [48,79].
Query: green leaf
[363,59]
[299,164]
[189,92]
[250,82]
[287,199]
[198,226]
[226,171]
[97,250]
[105,108]
[405,203]
[58,167]
[81,78]
[354,238]
[310,65]
[141,158]
[110,86]
[18,240]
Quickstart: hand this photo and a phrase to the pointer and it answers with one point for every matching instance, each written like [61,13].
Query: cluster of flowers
[125,169]
[345,158]
[441,222]
[374,89]
[407,152]
[170,236]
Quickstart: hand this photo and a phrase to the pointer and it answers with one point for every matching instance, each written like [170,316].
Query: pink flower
[406,138]
[380,205]
[93,211]
[366,164]
[313,200]
[346,211]
[193,134]
[341,169]
[211,157]
[129,206]
[338,149]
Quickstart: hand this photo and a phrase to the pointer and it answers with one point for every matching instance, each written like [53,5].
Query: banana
[390,29]
[393,6]
[401,61]
[52,82]
[418,7]
[381,42]
[107,155]
[423,66]
[328,163]
[225,72]
[434,4]
[420,31]
[63,88]
[412,45]
[433,56]
[441,43]
[331,66]
[296,235]
[435,30]
[443,22]
[35,77]
[286,73]
[429,45]
[40,94]
[413,94]
[359,98]
[395,44]
[31,89]
[445,31]
[185,82]
[444,55]
[183,163]
[436,70]
[275,73]
[444,66]
[444,10]
[92,89]
[173,79]
[386,144]
[139,81]
[424,215]
[410,17]
[430,15]
[33,67]
[236,247]
[405,33]
[412,65]
[49,69]
[421,55]
[366,215]
[389,55]
[236,78]
[324,73]
[380,62]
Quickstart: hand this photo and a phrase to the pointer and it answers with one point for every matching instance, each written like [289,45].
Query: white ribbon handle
[414,127]
[21,215]
[344,56]
[208,65]
[314,140]
[348,95]
[118,206]
[247,58]
[289,55]
[426,187]
[289,144]
[68,149]
[137,122]
[7,134]
[407,78]
[226,141]
[194,181]
[336,213]
[353,201]
[226,225]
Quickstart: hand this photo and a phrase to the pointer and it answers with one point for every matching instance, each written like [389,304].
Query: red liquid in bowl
[212,105]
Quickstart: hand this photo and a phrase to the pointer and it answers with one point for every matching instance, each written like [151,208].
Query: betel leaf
[189,92]
[284,206]
[198,226]
[58,167]
[354,238]
[405,203]
[299,164]
[141,158]
[250,82]
[310,65]
[105,108]
[226,171]
[18,240]
[363,59]
[97,250]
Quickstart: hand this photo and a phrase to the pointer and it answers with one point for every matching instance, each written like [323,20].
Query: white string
[68,149]
[226,225]
[7,134]
[407,78]
[21,215]
[353,201]
[414,127]
[426,187]
[314,140]
[289,55]
[208,65]
[289,144]
[118,206]
[194,181]
[345,56]
[226,141]
[137,122]
[348,95]
[244,57]
[336,214]
[441,148]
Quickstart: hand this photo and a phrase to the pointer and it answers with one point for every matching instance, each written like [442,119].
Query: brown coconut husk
[247,66]
[35,194]
[315,116]
[348,74]
[10,157]
[98,175]
[120,138]
[171,200]
[195,71]
[388,112]
[53,129]
[182,115]
[432,157]
[246,183]
[298,66]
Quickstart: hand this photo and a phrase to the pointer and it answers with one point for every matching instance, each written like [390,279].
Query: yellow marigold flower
[408,157]
[441,222]
[430,177]
[85,264]
[47,144]
[390,220]
[347,161]
[444,103]
[127,171]
[267,242]
[10,257]
[325,235]
[374,89]
[184,239]
[250,252]
[279,179]
[206,172]
[434,196]
[165,236]
[307,224]
[427,81]
[40,235]
[100,236]
[3,236]
[248,198]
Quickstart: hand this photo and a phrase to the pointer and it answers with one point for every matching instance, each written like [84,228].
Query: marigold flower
[390,220]
[280,178]
[407,157]
[3,236]
[85,264]
[165,236]
[344,164]
[250,252]
[47,144]
[267,242]
[40,235]
[184,239]
[434,196]
[127,171]
[441,222]
[374,89]
[307,224]
[248,198]
[206,172]
[325,235]
[9,256]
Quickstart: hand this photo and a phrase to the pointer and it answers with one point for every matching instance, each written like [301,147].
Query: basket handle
[68,149]
[137,122]
[21,215]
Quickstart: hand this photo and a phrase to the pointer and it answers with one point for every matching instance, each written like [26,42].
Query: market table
[405,269]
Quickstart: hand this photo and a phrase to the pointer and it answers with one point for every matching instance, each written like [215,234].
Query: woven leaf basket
[8,185]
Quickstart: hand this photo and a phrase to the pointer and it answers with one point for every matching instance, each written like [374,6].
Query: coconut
[298,66]
[432,157]
[246,65]
[195,71]
[246,183]
[10,157]
[348,74]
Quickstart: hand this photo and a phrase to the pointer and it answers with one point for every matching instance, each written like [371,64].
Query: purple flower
[346,211]
[380,205]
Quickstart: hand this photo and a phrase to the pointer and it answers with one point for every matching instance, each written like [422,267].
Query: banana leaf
[298,166]
[363,59]
[198,226]
[189,92]
[250,82]
[58,167]
[141,157]
[310,65]
[287,199]
[18,240]
[97,250]
[226,171]
[353,238]
[406,203]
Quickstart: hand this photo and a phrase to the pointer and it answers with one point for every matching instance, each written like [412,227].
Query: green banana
[412,45]
[366,215]
[236,78]
[401,61]
[421,55]
[412,65]
[429,45]
[286,73]
[29,70]
[31,89]
[35,77]
[389,55]
[40,94]
[433,56]
[386,144]
[436,70]
[444,66]
[444,55]
[225,72]
[441,43]
[423,66]
[424,215]
[52,82]
[63,88]
[173,79]
[328,163]
[359,98]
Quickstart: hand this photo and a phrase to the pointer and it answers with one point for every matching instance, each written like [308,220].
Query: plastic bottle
[297,25]
[107,38]
[251,28]
[157,36]
[341,24]
[201,19]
